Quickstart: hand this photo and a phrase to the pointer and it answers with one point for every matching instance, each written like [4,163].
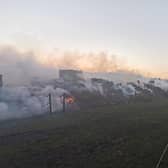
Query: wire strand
[162,156]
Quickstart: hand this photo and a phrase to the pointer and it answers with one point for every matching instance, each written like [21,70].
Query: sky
[134,30]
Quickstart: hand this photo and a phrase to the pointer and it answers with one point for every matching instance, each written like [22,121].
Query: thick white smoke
[19,68]
[19,99]
[16,102]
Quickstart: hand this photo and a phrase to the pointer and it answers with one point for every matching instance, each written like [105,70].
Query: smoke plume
[20,67]
[92,62]
[17,102]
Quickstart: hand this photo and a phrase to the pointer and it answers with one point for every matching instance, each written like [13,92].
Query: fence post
[63,103]
[50,103]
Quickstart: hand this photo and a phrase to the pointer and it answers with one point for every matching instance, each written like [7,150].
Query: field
[124,136]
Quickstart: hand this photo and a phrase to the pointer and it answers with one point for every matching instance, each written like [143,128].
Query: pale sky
[136,30]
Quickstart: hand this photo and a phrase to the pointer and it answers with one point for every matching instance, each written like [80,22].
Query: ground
[124,136]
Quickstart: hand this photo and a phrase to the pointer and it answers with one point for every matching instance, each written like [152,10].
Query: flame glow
[69,100]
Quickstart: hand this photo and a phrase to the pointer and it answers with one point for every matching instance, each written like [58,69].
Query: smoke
[20,67]
[20,99]
[17,102]
[92,62]
[4,110]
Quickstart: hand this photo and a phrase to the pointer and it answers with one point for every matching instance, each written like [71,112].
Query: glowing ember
[69,100]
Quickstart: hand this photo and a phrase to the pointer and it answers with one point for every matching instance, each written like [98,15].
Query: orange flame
[70,100]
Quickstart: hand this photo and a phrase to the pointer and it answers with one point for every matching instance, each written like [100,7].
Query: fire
[69,100]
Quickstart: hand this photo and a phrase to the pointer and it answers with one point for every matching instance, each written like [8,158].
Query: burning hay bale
[68,102]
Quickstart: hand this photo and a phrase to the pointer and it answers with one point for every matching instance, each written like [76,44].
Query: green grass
[125,136]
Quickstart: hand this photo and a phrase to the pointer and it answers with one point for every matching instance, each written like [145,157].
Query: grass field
[125,136]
